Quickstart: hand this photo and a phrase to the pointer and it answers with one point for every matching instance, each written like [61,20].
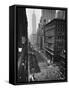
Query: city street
[46,72]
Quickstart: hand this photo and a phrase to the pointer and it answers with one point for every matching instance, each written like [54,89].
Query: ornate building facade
[51,33]
[55,38]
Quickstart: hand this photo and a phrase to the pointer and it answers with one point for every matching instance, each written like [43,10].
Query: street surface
[42,71]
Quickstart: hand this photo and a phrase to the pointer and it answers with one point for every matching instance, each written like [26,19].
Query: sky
[29,13]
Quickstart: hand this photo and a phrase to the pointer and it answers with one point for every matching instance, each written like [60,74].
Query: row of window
[61,30]
[60,25]
[61,37]
[57,37]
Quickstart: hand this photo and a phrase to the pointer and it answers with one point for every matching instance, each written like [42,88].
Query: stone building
[55,38]
[47,16]
[51,33]
[40,34]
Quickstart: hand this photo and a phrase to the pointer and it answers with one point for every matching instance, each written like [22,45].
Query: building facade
[40,34]
[33,23]
[51,33]
[47,16]
[54,44]
[21,42]
[33,36]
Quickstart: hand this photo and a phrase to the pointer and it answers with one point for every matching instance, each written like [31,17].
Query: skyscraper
[48,15]
[33,35]
[33,23]
[60,14]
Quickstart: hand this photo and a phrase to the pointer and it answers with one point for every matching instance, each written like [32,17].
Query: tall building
[40,34]
[33,35]
[33,23]
[21,42]
[55,38]
[60,14]
[22,25]
[48,15]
